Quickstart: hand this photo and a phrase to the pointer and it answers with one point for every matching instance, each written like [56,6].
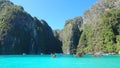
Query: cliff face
[21,33]
[16,26]
[100,28]
[70,35]
[93,14]
[97,31]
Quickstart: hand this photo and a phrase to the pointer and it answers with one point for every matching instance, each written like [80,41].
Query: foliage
[70,35]
[103,36]
[21,33]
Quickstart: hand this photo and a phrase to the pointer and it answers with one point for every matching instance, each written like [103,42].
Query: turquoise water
[62,61]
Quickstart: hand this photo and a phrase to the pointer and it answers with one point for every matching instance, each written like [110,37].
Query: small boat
[53,55]
[24,54]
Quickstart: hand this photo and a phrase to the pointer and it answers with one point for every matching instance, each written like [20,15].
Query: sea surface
[61,61]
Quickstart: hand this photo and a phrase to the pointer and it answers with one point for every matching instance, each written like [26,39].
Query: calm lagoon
[61,61]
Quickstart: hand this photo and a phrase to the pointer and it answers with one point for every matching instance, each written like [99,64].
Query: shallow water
[62,61]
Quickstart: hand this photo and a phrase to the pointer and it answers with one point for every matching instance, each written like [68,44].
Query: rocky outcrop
[97,31]
[57,41]
[93,14]
[101,28]
[16,26]
[119,52]
[70,35]
[21,33]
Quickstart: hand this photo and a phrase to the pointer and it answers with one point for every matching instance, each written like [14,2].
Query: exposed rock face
[21,33]
[53,45]
[101,28]
[16,26]
[57,41]
[70,35]
[93,14]
[97,31]
[119,52]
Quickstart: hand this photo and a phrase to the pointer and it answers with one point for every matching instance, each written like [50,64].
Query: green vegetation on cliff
[21,33]
[70,35]
[102,36]
[97,31]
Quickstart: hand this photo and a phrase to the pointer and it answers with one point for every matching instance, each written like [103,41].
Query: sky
[55,12]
